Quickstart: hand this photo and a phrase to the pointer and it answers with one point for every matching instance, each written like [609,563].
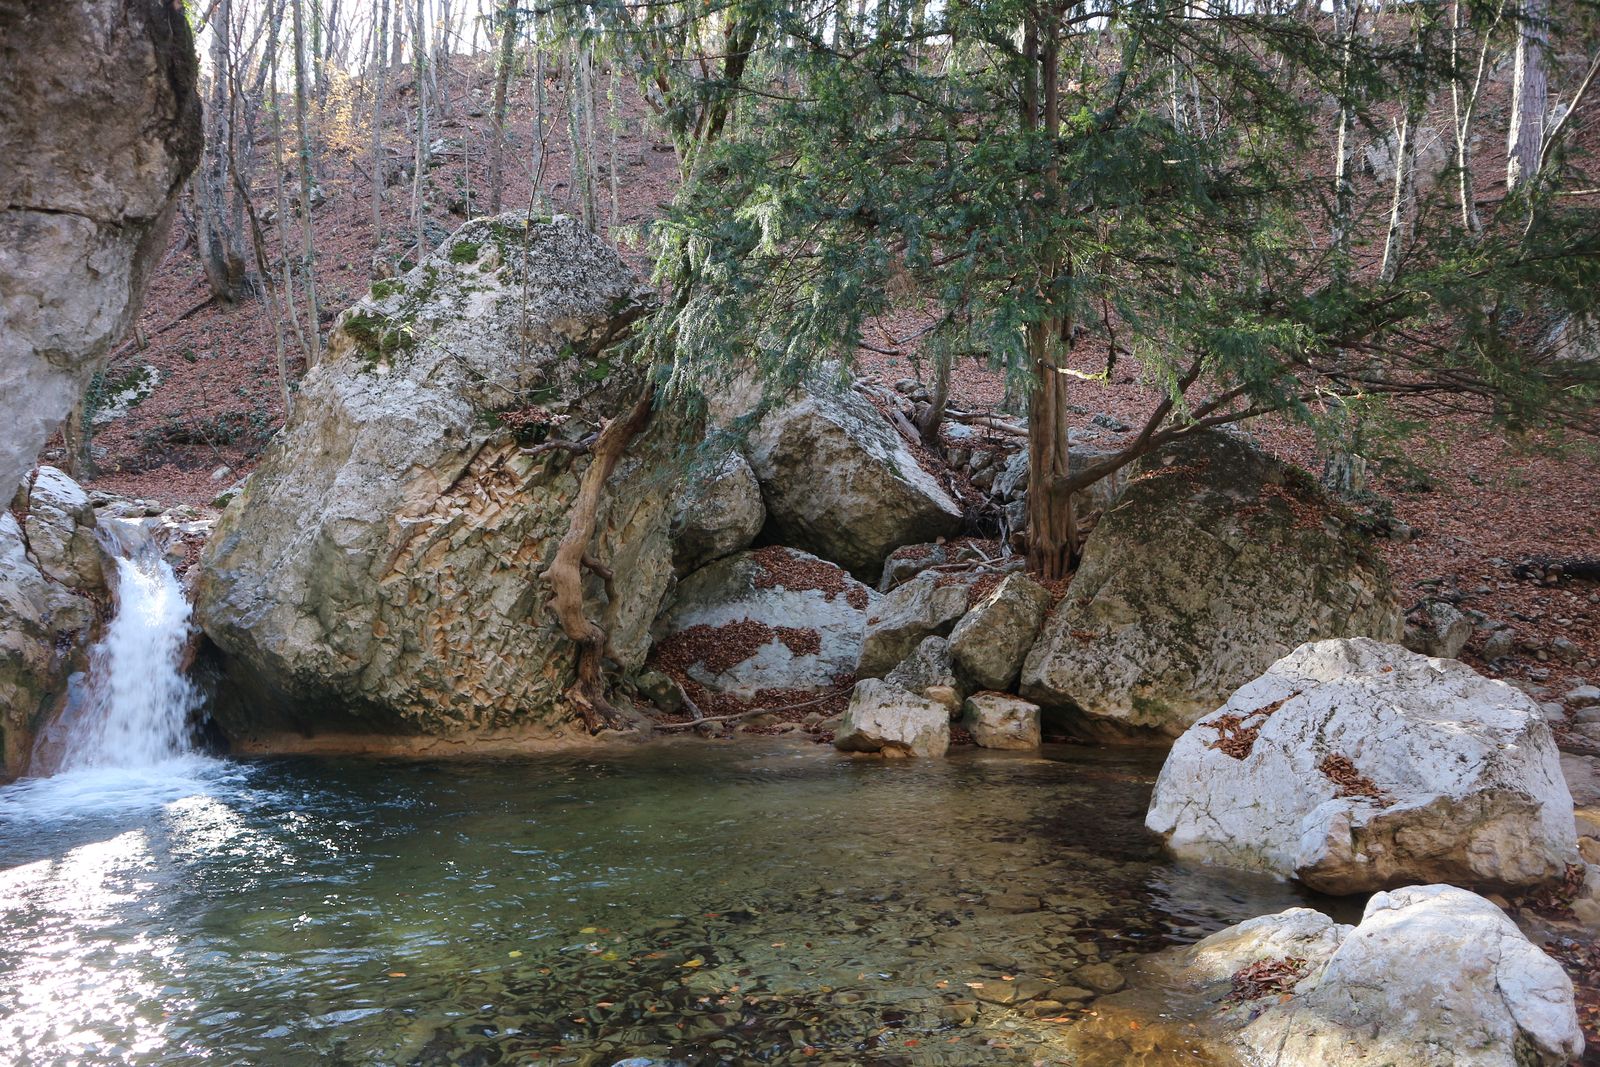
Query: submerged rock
[1433,976]
[840,482]
[100,128]
[1216,560]
[883,718]
[381,573]
[1355,765]
[770,619]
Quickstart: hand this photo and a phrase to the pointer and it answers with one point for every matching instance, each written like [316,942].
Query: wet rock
[719,513]
[100,129]
[1437,628]
[1100,977]
[1366,766]
[382,571]
[1000,720]
[1433,976]
[990,642]
[886,719]
[1216,560]
[926,606]
[773,618]
[45,628]
[840,482]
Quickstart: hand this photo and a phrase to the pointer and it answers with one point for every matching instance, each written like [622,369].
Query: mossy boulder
[381,574]
[1215,561]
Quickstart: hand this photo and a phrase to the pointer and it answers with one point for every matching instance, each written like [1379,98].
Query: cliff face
[99,130]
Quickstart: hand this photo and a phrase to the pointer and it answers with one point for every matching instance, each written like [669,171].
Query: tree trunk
[502,88]
[1052,532]
[380,59]
[419,52]
[314,323]
[1346,17]
[1461,112]
[1528,96]
[221,254]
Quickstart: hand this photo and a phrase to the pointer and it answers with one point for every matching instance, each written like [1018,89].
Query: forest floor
[1476,504]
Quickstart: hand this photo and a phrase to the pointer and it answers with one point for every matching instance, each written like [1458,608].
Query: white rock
[773,618]
[1433,976]
[1583,696]
[1471,782]
[60,523]
[885,719]
[1000,720]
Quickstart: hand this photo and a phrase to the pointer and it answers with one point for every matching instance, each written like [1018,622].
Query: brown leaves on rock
[1265,978]
[721,648]
[1237,733]
[782,568]
[1347,781]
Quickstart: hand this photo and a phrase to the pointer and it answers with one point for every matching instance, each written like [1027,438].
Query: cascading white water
[138,701]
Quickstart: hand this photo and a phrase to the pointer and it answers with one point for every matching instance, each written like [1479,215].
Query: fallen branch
[751,713]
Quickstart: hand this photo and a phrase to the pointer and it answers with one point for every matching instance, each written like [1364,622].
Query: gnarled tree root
[565,572]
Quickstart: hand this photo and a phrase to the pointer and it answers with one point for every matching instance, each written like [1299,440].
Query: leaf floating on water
[695,963]
[589,930]
[397,974]
[514,953]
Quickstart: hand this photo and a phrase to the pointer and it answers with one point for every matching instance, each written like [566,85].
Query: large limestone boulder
[1433,976]
[1216,560]
[51,589]
[886,720]
[929,605]
[99,130]
[381,574]
[840,482]
[771,621]
[990,642]
[719,513]
[1355,765]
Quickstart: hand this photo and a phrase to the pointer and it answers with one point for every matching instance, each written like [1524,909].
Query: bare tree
[502,87]
[217,235]
[1529,93]
[309,261]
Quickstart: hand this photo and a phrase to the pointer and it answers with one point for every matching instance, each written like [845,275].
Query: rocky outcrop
[927,606]
[990,642]
[773,620]
[885,720]
[1000,720]
[51,589]
[382,573]
[928,666]
[719,513]
[1433,976]
[100,128]
[841,483]
[1355,765]
[1215,561]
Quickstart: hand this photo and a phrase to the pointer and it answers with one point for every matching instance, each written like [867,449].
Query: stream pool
[689,902]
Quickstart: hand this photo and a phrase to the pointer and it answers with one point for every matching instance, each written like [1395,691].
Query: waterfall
[138,701]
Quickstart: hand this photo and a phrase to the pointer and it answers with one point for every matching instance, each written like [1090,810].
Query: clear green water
[682,903]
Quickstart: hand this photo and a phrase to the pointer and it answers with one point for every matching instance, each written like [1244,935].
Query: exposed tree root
[565,572]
